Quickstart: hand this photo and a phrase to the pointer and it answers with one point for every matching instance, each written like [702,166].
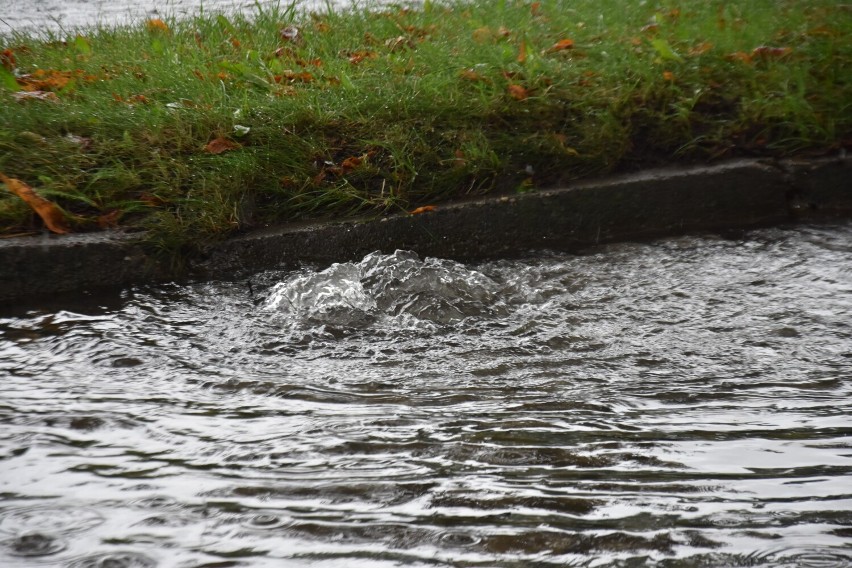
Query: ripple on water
[114,560]
[47,519]
[35,544]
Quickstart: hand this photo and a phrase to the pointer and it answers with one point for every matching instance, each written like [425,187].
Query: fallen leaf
[53,217]
[482,35]
[740,56]
[768,52]
[701,48]
[522,51]
[35,96]
[473,76]
[7,59]
[291,34]
[518,92]
[219,145]
[351,163]
[156,25]
[561,45]
[294,77]
[668,76]
[424,209]
[535,8]
[398,43]
[359,56]
[109,220]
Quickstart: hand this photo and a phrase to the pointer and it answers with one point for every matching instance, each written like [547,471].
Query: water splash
[398,286]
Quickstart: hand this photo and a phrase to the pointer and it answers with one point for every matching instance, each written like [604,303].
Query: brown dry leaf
[424,209]
[53,217]
[668,76]
[289,76]
[769,52]
[291,34]
[7,59]
[156,25]
[740,56]
[398,43]
[109,220]
[561,45]
[701,48]
[518,92]
[219,145]
[359,56]
[522,51]
[351,163]
[535,8]
[473,76]
[482,35]
[21,96]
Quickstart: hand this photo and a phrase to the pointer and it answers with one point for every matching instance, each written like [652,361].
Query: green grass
[419,101]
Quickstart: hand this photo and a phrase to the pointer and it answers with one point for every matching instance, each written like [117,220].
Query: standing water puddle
[683,403]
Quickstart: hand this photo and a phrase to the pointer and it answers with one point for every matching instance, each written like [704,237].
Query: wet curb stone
[667,201]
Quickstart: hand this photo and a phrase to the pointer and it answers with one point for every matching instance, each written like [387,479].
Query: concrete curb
[666,201]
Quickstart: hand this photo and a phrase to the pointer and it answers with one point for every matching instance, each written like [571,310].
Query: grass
[385,108]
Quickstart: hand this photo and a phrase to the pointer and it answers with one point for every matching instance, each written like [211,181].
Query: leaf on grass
[289,76]
[561,45]
[701,48]
[424,209]
[518,92]
[219,145]
[7,60]
[53,217]
[740,56]
[668,76]
[156,25]
[473,76]
[359,56]
[665,50]
[22,96]
[291,34]
[109,220]
[769,52]
[351,163]
[522,51]
[482,35]
[535,8]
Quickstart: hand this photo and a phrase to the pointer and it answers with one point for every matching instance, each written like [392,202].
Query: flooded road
[681,403]
[57,16]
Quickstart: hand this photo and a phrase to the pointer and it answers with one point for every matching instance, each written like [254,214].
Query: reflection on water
[683,403]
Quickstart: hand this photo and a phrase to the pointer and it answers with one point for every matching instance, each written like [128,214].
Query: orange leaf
[767,52]
[740,56]
[701,48]
[561,45]
[535,7]
[52,216]
[219,145]
[351,163]
[424,209]
[522,51]
[518,92]
[668,76]
[7,59]
[157,25]
[109,220]
[359,56]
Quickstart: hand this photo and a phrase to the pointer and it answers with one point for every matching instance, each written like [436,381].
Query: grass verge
[196,128]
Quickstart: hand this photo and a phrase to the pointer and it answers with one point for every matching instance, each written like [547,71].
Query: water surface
[681,403]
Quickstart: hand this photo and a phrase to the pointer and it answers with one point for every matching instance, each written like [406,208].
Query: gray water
[682,403]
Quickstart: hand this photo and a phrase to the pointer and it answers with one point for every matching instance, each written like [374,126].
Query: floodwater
[680,403]
[57,16]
